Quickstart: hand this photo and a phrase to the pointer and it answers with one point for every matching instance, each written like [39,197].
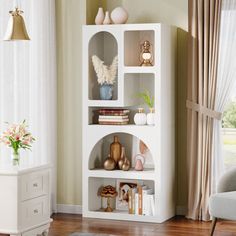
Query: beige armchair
[223,204]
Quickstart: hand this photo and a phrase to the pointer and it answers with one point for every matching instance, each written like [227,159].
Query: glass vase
[15,157]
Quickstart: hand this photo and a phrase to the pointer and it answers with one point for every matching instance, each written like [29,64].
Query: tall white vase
[100,16]
[107,19]
[151,117]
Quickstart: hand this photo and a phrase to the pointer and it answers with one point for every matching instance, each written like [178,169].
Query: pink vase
[138,165]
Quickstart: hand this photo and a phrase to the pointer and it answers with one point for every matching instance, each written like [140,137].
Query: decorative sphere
[119,15]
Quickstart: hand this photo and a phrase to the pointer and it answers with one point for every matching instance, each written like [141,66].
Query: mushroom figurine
[108,192]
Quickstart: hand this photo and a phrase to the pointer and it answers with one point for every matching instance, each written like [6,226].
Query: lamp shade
[16,29]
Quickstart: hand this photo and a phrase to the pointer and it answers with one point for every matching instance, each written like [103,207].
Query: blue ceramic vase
[106,91]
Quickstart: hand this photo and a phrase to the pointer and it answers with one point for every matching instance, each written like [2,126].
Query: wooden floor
[65,224]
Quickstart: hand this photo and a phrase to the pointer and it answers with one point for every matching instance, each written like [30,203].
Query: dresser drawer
[35,211]
[34,185]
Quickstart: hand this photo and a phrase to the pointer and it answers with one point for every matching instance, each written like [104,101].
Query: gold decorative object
[109,163]
[126,165]
[115,149]
[16,29]
[122,158]
[108,192]
[123,163]
[146,57]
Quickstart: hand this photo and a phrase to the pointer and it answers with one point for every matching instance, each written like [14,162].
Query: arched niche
[104,45]
[133,146]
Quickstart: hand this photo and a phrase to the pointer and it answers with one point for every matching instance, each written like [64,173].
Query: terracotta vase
[115,149]
[119,15]
[107,19]
[100,16]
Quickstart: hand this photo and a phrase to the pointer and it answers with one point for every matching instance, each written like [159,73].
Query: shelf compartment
[132,46]
[104,45]
[137,83]
[131,143]
[146,174]
[97,203]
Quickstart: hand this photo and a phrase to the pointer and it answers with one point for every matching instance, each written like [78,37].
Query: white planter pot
[140,118]
[151,117]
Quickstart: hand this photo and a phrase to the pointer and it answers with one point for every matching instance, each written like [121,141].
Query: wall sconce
[16,29]
[146,57]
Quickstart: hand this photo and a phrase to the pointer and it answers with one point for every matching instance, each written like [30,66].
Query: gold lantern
[16,29]
[146,57]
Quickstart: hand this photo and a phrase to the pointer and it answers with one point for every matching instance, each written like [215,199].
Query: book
[130,201]
[113,123]
[113,112]
[108,117]
[112,120]
[146,191]
[134,190]
[140,200]
[136,200]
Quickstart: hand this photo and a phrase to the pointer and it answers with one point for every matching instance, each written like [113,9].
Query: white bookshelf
[107,41]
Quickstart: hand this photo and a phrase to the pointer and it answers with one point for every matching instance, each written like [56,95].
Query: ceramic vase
[140,118]
[100,17]
[139,162]
[106,92]
[115,149]
[107,19]
[119,15]
[151,117]
[15,157]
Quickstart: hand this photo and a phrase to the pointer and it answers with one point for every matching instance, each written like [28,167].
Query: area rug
[90,234]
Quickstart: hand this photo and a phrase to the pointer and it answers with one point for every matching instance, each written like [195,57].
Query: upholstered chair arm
[227,182]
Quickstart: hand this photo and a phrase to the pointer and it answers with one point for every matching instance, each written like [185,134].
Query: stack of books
[141,201]
[113,117]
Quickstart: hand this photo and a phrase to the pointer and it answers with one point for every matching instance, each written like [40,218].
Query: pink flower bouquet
[16,137]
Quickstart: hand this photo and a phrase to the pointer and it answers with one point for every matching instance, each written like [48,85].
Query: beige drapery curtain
[204,28]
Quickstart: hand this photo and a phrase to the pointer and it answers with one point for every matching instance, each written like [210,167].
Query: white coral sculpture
[105,74]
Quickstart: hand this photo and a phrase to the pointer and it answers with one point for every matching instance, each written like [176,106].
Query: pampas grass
[105,74]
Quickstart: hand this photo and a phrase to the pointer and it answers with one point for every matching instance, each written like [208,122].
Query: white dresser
[25,201]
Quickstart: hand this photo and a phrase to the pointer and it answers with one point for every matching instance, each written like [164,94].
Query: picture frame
[122,188]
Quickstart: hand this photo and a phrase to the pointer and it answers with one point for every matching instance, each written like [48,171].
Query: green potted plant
[149,101]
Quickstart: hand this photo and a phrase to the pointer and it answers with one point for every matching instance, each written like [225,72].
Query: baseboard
[77,209]
[181,210]
[69,209]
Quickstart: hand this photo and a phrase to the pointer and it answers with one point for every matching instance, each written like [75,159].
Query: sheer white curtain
[28,81]
[226,79]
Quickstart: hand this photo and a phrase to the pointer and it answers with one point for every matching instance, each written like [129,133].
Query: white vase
[119,15]
[140,118]
[107,19]
[100,17]
[151,117]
